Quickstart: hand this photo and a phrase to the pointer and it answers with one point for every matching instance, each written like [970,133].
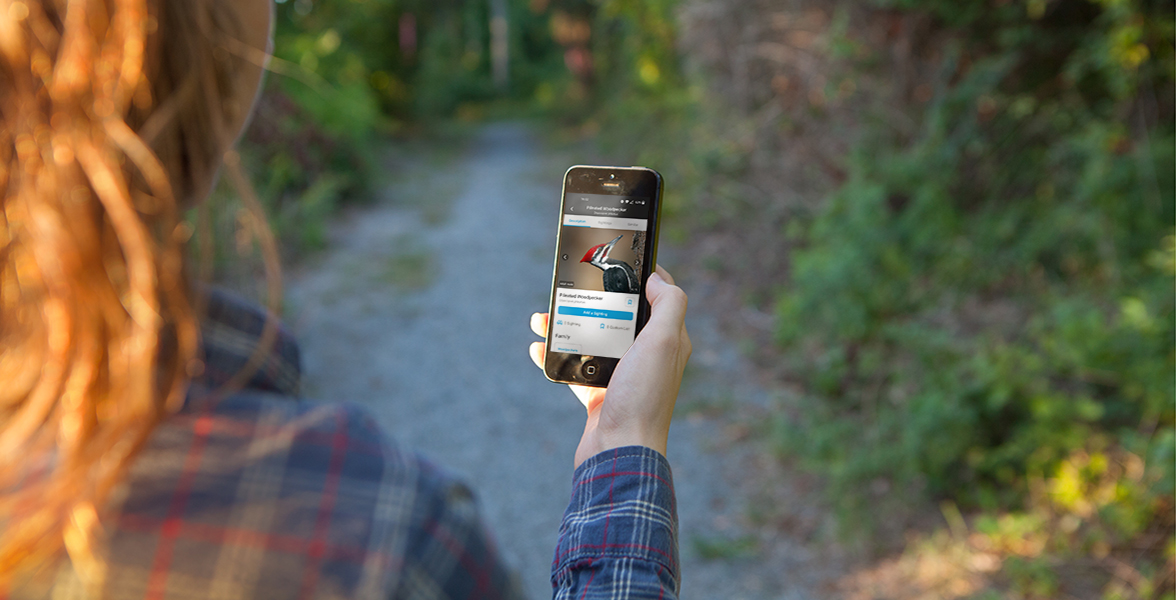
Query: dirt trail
[419,311]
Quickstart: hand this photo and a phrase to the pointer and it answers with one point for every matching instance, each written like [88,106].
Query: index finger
[539,324]
[667,302]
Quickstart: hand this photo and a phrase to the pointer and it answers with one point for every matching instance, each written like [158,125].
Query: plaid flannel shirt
[619,536]
[262,496]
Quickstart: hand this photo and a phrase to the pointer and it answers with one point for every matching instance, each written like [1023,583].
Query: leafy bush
[983,311]
[989,299]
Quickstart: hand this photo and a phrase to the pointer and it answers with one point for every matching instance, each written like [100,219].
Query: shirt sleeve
[619,536]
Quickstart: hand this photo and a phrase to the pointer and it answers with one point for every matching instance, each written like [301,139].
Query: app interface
[598,274]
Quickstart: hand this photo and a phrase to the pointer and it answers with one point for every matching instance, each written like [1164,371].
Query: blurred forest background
[949,225]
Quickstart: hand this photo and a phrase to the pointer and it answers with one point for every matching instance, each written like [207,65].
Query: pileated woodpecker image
[618,275]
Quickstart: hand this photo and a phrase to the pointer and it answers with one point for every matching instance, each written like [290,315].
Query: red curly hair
[107,126]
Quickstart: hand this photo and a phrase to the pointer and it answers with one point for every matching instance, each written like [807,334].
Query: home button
[590,370]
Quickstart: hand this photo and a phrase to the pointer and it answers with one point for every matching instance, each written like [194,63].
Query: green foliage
[636,48]
[303,167]
[717,548]
[455,68]
[340,60]
[453,75]
[343,79]
[1033,577]
[990,297]
[315,132]
[643,106]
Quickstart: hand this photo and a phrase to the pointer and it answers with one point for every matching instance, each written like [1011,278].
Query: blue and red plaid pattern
[261,495]
[619,537]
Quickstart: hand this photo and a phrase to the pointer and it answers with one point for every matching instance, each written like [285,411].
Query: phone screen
[598,274]
[606,250]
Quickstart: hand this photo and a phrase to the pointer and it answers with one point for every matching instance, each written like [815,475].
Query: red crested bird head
[599,253]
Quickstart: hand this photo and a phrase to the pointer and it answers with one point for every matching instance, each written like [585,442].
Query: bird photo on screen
[618,275]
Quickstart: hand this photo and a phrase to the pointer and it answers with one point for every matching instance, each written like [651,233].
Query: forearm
[620,532]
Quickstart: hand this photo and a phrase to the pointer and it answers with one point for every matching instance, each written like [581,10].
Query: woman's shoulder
[258,484]
[337,444]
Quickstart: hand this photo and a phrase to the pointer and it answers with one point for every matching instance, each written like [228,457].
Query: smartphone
[605,250]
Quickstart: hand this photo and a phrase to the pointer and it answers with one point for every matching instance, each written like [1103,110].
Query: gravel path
[419,310]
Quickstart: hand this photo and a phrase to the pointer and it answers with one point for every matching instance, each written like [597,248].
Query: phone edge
[651,265]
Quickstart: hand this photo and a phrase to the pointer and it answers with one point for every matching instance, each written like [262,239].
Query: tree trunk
[499,44]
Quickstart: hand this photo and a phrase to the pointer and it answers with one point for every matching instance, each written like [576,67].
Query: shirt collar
[231,331]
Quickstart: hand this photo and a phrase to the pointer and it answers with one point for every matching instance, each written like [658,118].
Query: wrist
[614,440]
[596,441]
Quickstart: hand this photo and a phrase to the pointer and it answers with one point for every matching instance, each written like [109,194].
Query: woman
[125,468]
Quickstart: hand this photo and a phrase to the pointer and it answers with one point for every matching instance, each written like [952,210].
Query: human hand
[644,387]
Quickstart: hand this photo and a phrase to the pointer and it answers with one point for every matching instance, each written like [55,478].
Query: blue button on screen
[573,311]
